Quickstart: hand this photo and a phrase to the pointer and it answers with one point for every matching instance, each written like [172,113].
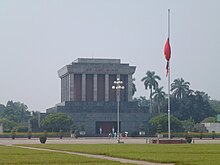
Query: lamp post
[118,85]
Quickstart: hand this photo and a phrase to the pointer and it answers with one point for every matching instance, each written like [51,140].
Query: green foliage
[160,122]
[134,89]
[159,97]
[199,128]
[188,125]
[188,138]
[180,88]
[16,111]
[209,120]
[142,101]
[150,82]
[2,109]
[43,139]
[57,121]
[35,120]
[192,106]
[215,104]
[14,114]
[7,124]
[21,128]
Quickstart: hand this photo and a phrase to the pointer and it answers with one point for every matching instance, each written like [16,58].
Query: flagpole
[169,80]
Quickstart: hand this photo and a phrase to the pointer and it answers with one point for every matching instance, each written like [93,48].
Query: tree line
[187,106]
[16,117]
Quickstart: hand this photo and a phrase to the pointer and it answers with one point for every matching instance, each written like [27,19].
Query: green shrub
[21,128]
[43,139]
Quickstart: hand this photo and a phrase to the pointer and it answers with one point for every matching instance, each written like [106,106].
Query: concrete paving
[90,140]
[9,141]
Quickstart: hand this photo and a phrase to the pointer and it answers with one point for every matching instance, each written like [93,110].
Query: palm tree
[134,89]
[150,81]
[159,96]
[204,95]
[180,88]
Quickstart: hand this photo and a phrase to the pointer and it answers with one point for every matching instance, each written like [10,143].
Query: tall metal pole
[118,85]
[169,80]
[118,100]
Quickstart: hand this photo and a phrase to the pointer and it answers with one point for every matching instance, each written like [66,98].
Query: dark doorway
[106,127]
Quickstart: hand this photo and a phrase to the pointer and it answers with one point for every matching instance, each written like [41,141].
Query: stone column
[67,88]
[106,87]
[129,87]
[62,90]
[83,87]
[95,90]
[71,87]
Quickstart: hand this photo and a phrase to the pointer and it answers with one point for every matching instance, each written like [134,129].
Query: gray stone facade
[82,67]
[87,96]
[89,114]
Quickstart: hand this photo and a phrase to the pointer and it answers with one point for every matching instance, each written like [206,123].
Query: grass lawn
[12,155]
[182,154]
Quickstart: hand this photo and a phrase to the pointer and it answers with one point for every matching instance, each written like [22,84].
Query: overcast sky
[38,37]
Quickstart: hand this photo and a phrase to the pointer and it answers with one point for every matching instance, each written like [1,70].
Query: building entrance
[106,127]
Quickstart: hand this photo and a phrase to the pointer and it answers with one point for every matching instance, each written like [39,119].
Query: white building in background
[212,127]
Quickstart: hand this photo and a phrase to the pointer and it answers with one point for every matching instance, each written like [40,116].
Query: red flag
[167,50]
[167,54]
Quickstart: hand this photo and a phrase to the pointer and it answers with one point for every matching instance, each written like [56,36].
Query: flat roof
[97,60]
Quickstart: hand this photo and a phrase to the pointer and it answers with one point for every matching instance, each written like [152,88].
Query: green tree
[159,97]
[7,124]
[160,122]
[180,88]
[204,95]
[142,101]
[57,121]
[209,120]
[17,112]
[2,109]
[215,104]
[193,106]
[35,120]
[150,82]
[188,124]
[134,89]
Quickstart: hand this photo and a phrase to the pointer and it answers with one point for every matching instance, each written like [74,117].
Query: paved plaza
[91,140]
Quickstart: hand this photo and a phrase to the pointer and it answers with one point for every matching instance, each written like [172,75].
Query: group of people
[113,134]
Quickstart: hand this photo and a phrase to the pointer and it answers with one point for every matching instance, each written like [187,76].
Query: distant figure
[100,130]
[115,135]
[110,135]
[126,134]
[113,130]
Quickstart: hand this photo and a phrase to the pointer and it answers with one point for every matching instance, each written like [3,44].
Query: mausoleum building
[87,96]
